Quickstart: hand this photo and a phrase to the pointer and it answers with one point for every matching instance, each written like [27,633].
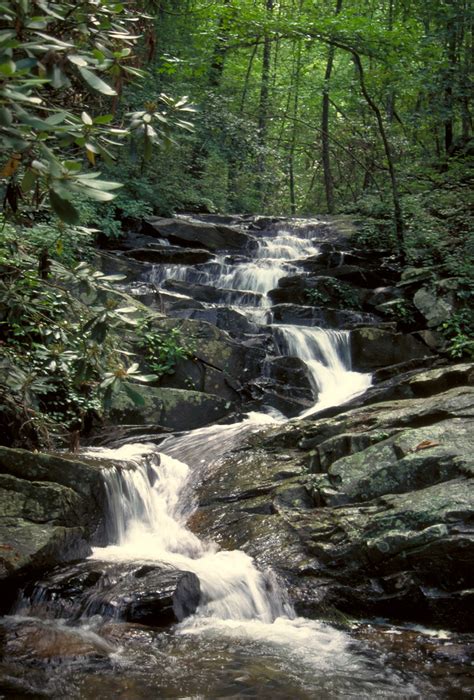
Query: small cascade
[150,502]
[328,359]
[270,262]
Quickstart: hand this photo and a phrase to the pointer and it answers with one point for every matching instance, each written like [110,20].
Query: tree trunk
[397,208]
[291,168]
[263,109]
[325,154]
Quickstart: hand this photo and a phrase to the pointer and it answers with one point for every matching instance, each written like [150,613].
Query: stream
[244,639]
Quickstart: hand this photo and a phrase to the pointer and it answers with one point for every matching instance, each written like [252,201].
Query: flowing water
[244,640]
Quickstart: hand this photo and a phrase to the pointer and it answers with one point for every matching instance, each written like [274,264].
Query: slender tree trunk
[448,91]
[247,76]
[291,155]
[325,153]
[263,110]
[391,93]
[397,208]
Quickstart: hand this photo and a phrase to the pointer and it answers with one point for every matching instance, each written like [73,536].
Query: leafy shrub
[333,292]
[459,334]
[62,358]
[163,349]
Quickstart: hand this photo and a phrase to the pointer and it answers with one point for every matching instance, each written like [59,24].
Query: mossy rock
[178,409]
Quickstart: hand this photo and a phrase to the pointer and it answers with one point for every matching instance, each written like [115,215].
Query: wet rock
[178,409]
[46,643]
[51,508]
[372,348]
[267,392]
[230,320]
[290,290]
[199,234]
[213,295]
[349,273]
[389,530]
[322,317]
[286,386]
[169,255]
[148,594]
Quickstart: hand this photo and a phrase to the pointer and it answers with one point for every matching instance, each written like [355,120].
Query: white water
[326,353]
[328,359]
[150,503]
[152,498]
[271,262]
[149,507]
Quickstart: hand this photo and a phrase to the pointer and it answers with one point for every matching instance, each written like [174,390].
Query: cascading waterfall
[151,494]
[327,356]
[150,502]
[325,352]
[149,506]
[271,261]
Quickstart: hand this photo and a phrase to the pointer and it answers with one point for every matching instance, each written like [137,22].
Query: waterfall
[327,356]
[150,501]
[244,285]
[243,611]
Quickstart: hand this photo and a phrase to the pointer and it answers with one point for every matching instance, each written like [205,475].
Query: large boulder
[146,593]
[169,255]
[215,348]
[372,348]
[178,409]
[436,306]
[369,512]
[230,320]
[198,234]
[51,508]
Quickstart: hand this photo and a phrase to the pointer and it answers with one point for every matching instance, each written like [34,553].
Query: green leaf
[6,117]
[137,398]
[126,310]
[8,68]
[95,82]
[145,378]
[77,60]
[29,180]
[103,119]
[56,118]
[105,185]
[63,208]
[98,195]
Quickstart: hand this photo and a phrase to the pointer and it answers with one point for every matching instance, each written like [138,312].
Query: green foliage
[400,310]
[55,59]
[333,293]
[163,349]
[61,344]
[67,245]
[459,334]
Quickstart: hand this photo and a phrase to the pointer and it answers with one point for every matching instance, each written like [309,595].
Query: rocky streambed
[355,517]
